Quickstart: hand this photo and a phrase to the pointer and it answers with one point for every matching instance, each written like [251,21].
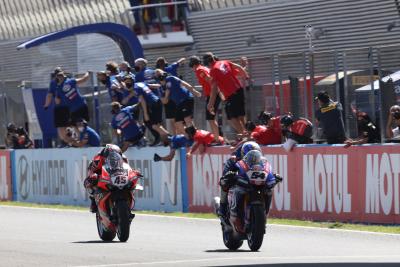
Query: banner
[5,176]
[57,176]
[357,184]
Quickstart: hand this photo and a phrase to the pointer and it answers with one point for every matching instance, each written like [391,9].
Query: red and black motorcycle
[115,199]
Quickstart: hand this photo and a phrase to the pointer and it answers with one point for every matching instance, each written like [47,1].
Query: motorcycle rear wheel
[256,235]
[104,234]
[124,223]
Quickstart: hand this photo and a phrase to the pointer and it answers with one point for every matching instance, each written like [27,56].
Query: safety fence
[324,183]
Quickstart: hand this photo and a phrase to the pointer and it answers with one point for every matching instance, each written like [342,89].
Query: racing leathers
[95,169]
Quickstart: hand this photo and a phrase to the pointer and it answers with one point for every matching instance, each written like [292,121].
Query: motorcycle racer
[110,152]
[230,166]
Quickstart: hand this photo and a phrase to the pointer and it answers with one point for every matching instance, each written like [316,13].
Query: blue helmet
[248,146]
[253,158]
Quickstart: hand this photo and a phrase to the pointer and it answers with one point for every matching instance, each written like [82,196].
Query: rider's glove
[278,178]
[156,157]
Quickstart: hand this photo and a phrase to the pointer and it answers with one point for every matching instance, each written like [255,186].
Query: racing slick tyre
[104,234]
[256,234]
[124,222]
[230,242]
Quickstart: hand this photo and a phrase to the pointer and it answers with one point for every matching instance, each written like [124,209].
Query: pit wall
[325,183]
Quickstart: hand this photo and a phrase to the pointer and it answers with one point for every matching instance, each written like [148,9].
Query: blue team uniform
[178,93]
[69,94]
[180,140]
[146,75]
[172,69]
[126,123]
[91,135]
[149,96]
[113,93]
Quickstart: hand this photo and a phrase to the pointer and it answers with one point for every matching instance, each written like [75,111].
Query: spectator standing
[88,137]
[170,107]
[143,73]
[393,120]
[330,117]
[125,70]
[244,80]
[152,111]
[204,79]
[368,132]
[69,93]
[171,69]
[181,93]
[124,124]
[224,76]
[61,109]
[113,85]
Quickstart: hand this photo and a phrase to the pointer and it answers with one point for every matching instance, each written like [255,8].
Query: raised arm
[191,88]
[83,79]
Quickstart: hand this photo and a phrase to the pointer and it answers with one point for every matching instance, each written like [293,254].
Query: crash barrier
[5,176]
[327,183]
[57,176]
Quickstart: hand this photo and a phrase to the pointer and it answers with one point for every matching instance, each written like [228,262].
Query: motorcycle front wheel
[229,241]
[104,234]
[256,235]
[124,223]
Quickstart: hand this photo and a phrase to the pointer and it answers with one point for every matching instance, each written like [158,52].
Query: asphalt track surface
[46,237]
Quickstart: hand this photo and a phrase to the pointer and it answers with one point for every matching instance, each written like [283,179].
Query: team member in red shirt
[272,123]
[224,76]
[263,135]
[296,131]
[204,79]
[201,139]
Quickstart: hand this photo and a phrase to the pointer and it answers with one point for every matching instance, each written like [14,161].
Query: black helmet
[11,127]
[193,61]
[287,120]
[264,117]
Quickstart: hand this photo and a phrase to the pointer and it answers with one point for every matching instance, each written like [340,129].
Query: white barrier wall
[57,175]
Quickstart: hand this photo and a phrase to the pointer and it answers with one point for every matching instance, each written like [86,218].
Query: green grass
[330,225]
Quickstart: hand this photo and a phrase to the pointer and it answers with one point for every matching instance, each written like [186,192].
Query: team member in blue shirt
[128,127]
[170,107]
[171,69]
[143,73]
[181,93]
[113,85]
[152,111]
[174,142]
[61,110]
[69,93]
[130,96]
[88,137]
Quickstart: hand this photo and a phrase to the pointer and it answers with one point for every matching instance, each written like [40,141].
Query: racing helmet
[110,148]
[253,158]
[248,146]
[114,161]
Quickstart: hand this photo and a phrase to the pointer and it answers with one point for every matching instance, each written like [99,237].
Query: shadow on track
[94,242]
[225,251]
[338,264]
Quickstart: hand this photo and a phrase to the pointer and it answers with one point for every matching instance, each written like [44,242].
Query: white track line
[215,220]
[289,259]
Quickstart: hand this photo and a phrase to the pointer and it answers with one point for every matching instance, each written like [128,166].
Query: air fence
[321,182]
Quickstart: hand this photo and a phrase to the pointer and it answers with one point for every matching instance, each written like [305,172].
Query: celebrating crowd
[156,99]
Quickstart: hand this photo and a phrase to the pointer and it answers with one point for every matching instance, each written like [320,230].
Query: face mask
[396,115]
[137,68]
[80,128]
[128,84]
